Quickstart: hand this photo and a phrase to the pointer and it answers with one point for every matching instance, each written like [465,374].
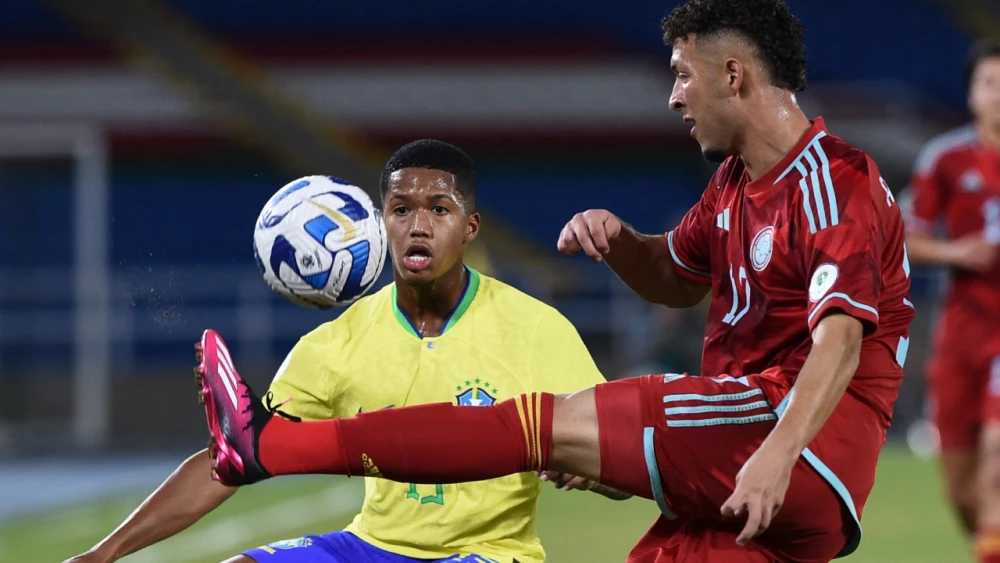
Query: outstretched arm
[184,498]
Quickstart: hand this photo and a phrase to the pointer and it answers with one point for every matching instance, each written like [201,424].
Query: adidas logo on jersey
[722,220]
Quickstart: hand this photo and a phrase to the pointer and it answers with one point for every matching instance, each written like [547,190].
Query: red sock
[438,443]
[988,546]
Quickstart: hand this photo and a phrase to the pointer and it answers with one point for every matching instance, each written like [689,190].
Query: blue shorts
[341,547]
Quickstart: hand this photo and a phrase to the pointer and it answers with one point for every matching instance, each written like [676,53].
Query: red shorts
[696,434]
[964,392]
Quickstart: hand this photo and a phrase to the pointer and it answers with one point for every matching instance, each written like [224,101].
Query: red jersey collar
[783,167]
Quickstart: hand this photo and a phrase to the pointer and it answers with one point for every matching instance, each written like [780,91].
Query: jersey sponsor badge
[761,248]
[823,279]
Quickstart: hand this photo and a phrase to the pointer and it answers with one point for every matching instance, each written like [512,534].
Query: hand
[973,253]
[566,481]
[760,490]
[591,232]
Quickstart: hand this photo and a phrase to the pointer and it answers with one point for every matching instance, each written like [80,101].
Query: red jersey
[956,185]
[819,233]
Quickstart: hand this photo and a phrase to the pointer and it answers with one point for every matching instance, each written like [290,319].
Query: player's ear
[735,73]
[471,228]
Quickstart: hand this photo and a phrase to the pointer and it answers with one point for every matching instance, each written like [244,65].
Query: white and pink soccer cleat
[235,415]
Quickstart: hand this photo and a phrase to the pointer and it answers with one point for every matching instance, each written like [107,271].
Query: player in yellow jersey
[441,333]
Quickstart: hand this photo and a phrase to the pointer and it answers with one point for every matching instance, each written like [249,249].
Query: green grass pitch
[906,520]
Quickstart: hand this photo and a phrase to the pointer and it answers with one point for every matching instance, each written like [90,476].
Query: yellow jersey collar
[468,294]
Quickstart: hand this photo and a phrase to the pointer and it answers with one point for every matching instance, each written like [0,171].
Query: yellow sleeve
[558,359]
[303,385]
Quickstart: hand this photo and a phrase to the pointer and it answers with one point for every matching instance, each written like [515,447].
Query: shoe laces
[274,409]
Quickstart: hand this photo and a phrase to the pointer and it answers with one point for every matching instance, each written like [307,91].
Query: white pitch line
[235,533]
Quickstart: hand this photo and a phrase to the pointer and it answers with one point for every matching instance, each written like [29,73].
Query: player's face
[703,93]
[984,93]
[426,224]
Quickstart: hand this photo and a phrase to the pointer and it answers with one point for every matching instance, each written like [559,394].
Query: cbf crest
[476,393]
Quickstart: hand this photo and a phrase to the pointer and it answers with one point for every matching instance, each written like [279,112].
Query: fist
[590,232]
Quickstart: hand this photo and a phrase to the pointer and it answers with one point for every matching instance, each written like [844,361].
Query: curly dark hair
[435,155]
[984,49]
[768,24]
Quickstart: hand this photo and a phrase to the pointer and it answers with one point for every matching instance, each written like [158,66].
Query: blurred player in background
[441,332]
[956,185]
[800,244]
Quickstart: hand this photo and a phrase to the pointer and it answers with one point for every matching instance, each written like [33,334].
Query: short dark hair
[768,24]
[435,155]
[982,50]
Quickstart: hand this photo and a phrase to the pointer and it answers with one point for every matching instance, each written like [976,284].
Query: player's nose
[421,224]
[677,99]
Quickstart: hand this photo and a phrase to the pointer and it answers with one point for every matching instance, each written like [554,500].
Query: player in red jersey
[772,455]
[956,185]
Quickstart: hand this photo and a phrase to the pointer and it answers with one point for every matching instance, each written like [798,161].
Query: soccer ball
[320,243]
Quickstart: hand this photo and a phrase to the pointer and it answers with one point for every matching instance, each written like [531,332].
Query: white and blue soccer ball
[320,242]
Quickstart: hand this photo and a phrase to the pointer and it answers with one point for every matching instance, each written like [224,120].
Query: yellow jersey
[498,343]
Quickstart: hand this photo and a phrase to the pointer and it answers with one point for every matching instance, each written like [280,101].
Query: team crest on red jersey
[761,248]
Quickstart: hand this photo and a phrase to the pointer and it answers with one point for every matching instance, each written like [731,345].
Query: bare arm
[762,483]
[183,499]
[820,385]
[643,262]
[973,253]
[923,249]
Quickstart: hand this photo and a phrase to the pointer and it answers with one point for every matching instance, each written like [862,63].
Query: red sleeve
[924,198]
[689,241]
[843,250]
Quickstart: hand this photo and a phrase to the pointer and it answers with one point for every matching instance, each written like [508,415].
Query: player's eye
[400,210]
[440,209]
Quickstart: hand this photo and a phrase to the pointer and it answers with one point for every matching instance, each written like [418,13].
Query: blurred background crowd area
[139,140]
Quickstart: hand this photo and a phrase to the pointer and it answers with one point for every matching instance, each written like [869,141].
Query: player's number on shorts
[436,498]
